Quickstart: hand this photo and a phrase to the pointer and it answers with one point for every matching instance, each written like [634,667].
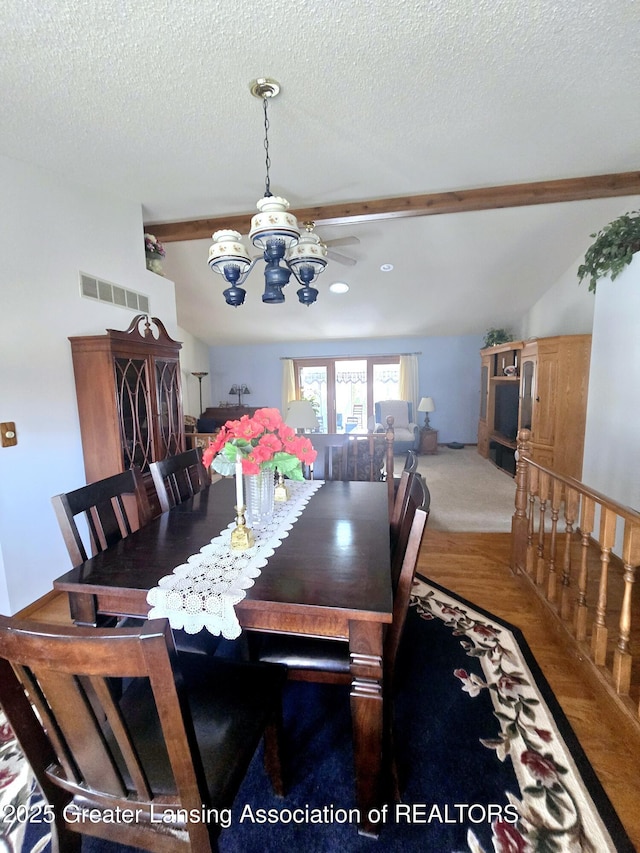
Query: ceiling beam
[456,201]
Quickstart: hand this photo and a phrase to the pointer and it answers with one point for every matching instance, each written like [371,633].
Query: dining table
[330,577]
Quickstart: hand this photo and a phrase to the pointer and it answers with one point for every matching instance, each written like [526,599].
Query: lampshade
[426,405]
[301,415]
[239,389]
[307,258]
[272,222]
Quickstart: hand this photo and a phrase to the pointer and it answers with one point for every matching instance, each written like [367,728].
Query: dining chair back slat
[411,462]
[418,497]
[180,737]
[333,460]
[178,478]
[400,501]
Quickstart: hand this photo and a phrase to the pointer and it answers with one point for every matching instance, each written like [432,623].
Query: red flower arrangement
[265,443]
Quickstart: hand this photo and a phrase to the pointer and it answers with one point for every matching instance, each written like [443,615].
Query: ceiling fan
[340,241]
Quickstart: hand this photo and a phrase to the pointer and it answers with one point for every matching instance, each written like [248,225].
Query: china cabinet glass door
[135,412]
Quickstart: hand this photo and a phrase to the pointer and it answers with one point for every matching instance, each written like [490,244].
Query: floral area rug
[487,760]
[556,803]
[20,800]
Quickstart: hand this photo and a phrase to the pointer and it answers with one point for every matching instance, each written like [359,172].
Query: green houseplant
[493,337]
[612,249]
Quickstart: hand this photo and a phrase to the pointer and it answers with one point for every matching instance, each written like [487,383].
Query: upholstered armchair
[407,433]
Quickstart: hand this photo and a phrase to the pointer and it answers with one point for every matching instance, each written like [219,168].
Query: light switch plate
[8,433]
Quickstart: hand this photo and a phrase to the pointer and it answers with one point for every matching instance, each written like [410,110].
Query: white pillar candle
[239,496]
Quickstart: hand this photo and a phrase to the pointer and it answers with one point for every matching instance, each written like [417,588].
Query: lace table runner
[202,592]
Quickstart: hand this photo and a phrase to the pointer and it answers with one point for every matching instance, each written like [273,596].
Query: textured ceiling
[149,99]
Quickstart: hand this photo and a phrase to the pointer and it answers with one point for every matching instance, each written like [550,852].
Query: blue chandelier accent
[275,231]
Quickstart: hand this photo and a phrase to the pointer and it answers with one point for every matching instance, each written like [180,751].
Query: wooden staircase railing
[564,540]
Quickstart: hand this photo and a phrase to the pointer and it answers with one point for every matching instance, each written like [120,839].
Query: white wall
[612,443]
[51,229]
[194,356]
[567,308]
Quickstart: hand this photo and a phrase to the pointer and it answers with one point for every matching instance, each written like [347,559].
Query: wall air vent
[104,291]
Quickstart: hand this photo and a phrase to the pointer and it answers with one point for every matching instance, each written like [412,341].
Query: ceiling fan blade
[341,259]
[342,241]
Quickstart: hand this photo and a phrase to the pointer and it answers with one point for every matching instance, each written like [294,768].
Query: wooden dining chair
[112,508]
[370,457]
[178,478]
[176,743]
[327,660]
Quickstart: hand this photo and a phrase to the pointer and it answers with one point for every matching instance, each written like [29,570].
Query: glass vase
[154,262]
[258,496]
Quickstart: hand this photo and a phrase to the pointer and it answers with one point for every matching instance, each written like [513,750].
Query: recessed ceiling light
[386,267]
[339,287]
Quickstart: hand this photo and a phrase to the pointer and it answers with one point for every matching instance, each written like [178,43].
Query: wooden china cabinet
[129,398]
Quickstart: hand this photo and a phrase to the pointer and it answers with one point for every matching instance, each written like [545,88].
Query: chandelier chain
[267,182]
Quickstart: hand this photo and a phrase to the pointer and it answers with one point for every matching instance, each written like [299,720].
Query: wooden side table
[428,441]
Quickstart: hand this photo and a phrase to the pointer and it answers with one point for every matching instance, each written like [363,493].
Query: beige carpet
[468,493]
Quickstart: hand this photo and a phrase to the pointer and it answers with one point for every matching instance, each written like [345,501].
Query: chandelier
[275,232]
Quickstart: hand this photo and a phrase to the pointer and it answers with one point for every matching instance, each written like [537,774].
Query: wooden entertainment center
[540,385]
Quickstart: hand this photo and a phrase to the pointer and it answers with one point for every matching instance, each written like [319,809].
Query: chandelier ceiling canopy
[275,232]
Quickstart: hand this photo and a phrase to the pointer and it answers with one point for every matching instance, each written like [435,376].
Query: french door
[343,391]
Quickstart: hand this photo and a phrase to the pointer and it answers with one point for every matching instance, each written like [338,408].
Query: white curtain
[409,381]
[289,390]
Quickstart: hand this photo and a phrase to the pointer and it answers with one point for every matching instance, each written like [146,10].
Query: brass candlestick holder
[242,537]
[281,492]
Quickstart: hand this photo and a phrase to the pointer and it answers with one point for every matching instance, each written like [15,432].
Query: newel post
[519,518]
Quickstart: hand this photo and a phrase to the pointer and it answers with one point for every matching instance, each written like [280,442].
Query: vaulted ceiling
[380,101]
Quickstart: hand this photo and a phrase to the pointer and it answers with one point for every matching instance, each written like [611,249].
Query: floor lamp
[200,374]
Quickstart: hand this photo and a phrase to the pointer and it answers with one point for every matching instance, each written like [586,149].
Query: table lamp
[426,405]
[301,415]
[239,390]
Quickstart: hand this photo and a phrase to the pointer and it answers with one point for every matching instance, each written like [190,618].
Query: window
[344,390]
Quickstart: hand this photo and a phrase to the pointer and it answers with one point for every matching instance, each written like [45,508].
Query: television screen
[506,410]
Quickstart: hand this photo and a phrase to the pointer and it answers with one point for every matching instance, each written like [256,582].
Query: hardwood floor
[476,567]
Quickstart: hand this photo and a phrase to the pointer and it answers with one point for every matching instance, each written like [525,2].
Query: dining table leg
[83,609]
[367,716]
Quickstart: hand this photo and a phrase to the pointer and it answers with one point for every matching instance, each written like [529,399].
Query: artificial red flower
[307,452]
[250,466]
[269,418]
[261,453]
[248,428]
[263,442]
[270,441]
[208,455]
